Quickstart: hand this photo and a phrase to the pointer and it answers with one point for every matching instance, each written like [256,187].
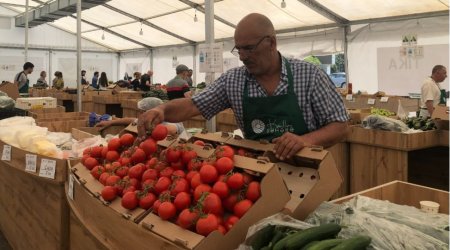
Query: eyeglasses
[247,49]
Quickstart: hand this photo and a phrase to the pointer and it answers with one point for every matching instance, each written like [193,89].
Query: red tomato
[223,178]
[161,165]
[253,191]
[136,171]
[208,174]
[187,219]
[224,151]
[178,186]
[196,180]
[162,184]
[199,142]
[189,176]
[147,201]
[230,222]
[149,146]
[83,159]
[128,189]
[230,201]
[222,229]
[90,163]
[97,171]
[236,181]
[152,174]
[167,172]
[126,139]
[242,207]
[159,132]
[167,210]
[156,205]
[179,165]
[134,182]
[138,156]
[109,193]
[103,177]
[194,165]
[152,162]
[112,156]
[104,151]
[148,184]
[206,225]
[130,200]
[179,174]
[122,171]
[188,155]
[114,144]
[173,155]
[242,152]
[124,161]
[112,180]
[224,165]
[247,178]
[182,201]
[212,204]
[202,188]
[221,189]
[96,151]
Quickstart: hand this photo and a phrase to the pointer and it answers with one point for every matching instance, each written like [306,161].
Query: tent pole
[194,65]
[27,5]
[346,31]
[79,55]
[209,39]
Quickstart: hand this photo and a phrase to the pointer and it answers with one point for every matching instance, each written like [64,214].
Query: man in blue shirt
[95,80]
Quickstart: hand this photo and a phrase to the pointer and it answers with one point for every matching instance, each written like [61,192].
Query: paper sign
[70,189]
[48,168]
[30,163]
[371,101]
[384,99]
[6,156]
[211,58]
[349,97]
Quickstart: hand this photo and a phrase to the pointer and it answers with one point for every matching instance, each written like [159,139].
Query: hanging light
[195,16]
[103,35]
[283,4]
[141,32]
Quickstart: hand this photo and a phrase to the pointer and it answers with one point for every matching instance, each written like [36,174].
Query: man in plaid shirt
[290,102]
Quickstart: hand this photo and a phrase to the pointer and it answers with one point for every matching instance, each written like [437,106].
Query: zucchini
[312,243]
[281,244]
[277,237]
[323,245]
[322,232]
[262,237]
[355,243]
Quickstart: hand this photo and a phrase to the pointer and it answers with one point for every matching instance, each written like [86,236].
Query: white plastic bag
[401,113]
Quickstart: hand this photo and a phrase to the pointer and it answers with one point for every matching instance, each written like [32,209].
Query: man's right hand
[148,119]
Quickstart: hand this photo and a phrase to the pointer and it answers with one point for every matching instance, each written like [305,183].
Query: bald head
[256,25]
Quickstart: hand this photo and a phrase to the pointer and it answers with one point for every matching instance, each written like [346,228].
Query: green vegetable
[355,243]
[302,238]
[323,245]
[312,243]
[281,244]
[277,237]
[262,237]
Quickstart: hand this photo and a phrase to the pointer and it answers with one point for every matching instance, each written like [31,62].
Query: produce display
[420,123]
[380,111]
[202,195]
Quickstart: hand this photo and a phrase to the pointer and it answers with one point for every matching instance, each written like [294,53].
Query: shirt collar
[249,77]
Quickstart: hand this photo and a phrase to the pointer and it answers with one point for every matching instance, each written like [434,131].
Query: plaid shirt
[317,96]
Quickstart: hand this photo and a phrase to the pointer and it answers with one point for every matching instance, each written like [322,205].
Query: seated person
[144,105]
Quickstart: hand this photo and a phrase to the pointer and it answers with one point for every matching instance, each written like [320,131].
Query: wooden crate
[108,105]
[63,126]
[225,121]
[81,238]
[195,122]
[62,116]
[341,155]
[34,210]
[360,102]
[36,113]
[130,94]
[404,193]
[443,137]
[130,109]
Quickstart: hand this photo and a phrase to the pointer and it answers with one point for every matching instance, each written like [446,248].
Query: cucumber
[323,245]
[281,244]
[355,243]
[312,243]
[322,232]
[277,237]
[262,237]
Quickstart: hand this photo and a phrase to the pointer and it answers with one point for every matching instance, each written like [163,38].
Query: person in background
[41,82]
[290,102]
[178,86]
[21,78]
[58,81]
[146,81]
[144,104]
[103,80]
[94,83]
[189,78]
[83,78]
[432,93]
[136,82]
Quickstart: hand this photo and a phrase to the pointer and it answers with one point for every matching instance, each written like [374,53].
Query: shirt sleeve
[213,98]
[327,104]
[427,92]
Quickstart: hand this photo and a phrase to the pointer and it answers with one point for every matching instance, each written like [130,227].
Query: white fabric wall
[12,60]
[363,45]
[134,62]
[163,67]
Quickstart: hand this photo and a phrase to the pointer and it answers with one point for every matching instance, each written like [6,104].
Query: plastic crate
[7,113]
[36,103]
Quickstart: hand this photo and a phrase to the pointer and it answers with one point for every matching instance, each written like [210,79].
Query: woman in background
[103,80]
[58,81]
[41,82]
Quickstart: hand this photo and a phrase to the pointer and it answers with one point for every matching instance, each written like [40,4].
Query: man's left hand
[288,145]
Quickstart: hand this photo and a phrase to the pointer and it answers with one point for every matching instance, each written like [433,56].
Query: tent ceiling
[171,22]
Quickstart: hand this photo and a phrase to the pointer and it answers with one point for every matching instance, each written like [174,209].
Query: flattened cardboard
[213,137]
[440,116]
[10,89]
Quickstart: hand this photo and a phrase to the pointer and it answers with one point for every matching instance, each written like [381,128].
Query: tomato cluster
[202,195]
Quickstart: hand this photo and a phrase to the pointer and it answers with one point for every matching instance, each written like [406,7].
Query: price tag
[384,99]
[70,189]
[349,97]
[371,101]
[48,168]
[6,156]
[30,163]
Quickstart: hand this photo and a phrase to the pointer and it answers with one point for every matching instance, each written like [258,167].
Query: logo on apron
[258,126]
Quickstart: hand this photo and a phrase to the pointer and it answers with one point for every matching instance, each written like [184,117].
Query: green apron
[270,117]
[443,97]
[24,88]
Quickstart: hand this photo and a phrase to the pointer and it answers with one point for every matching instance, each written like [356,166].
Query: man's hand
[148,119]
[103,124]
[288,145]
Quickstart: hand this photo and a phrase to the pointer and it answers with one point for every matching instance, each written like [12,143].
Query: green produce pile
[383,112]
[156,93]
[420,123]
[315,238]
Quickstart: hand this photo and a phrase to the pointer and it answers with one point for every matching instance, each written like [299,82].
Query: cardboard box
[358,115]
[35,103]
[45,117]
[10,89]
[39,113]
[440,116]
[273,197]
[88,132]
[404,193]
